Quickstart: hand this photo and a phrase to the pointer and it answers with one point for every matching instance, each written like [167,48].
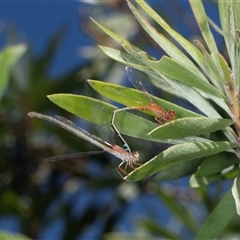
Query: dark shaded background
[82,198]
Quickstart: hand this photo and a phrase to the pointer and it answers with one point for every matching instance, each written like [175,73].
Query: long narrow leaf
[174,70]
[216,164]
[185,127]
[211,70]
[196,181]
[236,67]
[214,168]
[131,97]
[124,58]
[175,155]
[226,14]
[116,37]
[202,20]
[179,170]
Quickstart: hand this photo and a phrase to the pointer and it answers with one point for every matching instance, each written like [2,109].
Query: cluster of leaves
[202,76]
[204,145]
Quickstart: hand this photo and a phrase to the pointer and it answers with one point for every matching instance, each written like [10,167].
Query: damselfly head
[171,115]
[164,117]
[135,154]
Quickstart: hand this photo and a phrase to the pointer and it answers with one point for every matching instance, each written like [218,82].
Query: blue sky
[36,22]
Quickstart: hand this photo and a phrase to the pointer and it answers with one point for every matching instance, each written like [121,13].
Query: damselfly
[128,158]
[161,115]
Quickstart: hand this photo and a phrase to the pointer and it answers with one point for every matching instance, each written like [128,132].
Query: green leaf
[202,20]
[124,58]
[216,77]
[196,182]
[226,14]
[213,168]
[116,37]
[113,35]
[236,9]
[215,26]
[133,97]
[236,193]
[193,126]
[218,220]
[8,57]
[230,21]
[216,163]
[201,181]
[225,68]
[179,170]
[211,69]
[232,172]
[175,155]
[175,70]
